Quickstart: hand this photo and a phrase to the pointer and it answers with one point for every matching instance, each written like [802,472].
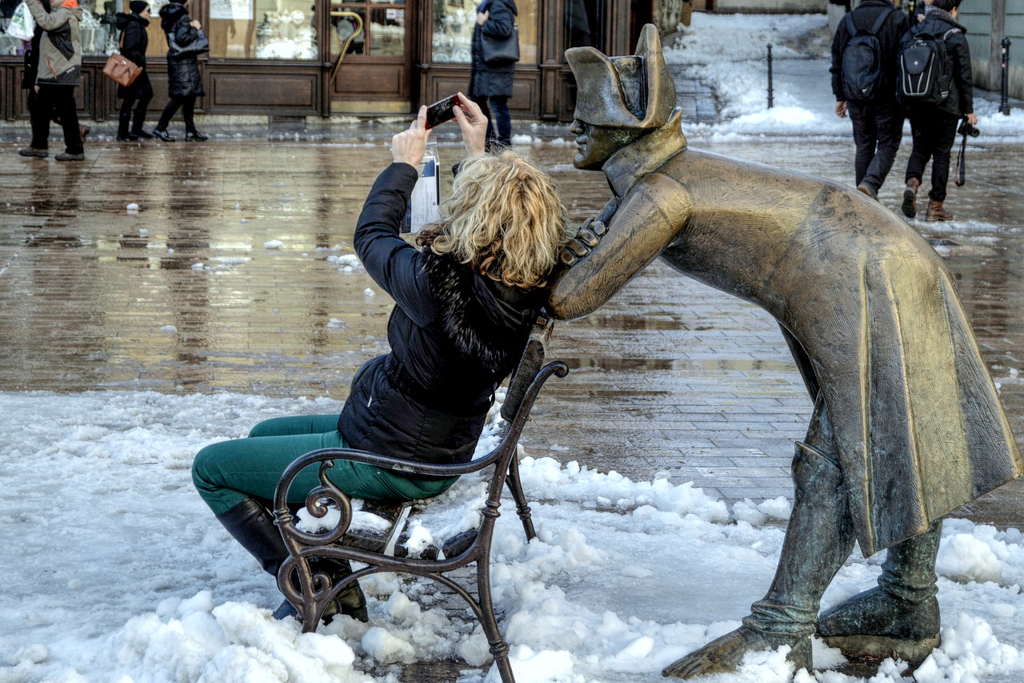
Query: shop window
[384,35]
[584,23]
[453,25]
[263,29]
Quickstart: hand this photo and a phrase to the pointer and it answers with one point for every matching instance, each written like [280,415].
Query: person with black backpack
[936,85]
[864,56]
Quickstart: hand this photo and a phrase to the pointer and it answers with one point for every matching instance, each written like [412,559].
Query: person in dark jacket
[493,84]
[58,72]
[464,305]
[134,41]
[184,82]
[878,119]
[934,127]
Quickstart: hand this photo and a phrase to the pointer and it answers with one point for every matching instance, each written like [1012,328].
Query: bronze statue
[907,424]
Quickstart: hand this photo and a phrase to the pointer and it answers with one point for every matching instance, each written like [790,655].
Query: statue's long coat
[866,304]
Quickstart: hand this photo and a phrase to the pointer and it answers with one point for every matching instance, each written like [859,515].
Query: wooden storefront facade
[279,58]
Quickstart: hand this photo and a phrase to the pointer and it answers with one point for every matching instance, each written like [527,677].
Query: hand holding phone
[473,124]
[442,110]
[408,146]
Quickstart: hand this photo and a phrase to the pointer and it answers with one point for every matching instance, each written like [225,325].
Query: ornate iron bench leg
[515,485]
[499,648]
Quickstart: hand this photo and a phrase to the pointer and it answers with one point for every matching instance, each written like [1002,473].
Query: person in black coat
[934,126]
[184,82]
[40,123]
[462,317]
[134,41]
[495,18]
[877,120]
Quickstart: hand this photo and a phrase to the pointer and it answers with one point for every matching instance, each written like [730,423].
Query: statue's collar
[631,163]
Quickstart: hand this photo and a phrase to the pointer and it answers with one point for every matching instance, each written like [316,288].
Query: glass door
[375,71]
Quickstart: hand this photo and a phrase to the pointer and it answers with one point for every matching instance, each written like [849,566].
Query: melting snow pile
[114,570]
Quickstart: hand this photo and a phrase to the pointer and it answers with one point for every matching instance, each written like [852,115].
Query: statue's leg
[899,617]
[819,538]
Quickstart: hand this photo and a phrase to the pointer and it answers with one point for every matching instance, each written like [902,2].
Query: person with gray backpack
[936,85]
[864,60]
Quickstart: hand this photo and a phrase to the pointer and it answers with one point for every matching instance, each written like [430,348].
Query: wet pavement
[228,278]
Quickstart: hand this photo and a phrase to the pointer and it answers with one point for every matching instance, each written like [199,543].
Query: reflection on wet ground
[228,278]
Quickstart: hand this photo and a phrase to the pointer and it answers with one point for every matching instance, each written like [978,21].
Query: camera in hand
[441,111]
[967,129]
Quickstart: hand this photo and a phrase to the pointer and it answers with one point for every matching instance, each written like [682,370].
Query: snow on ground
[728,53]
[114,570]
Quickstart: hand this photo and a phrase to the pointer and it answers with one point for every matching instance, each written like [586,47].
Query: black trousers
[50,101]
[187,104]
[877,131]
[140,113]
[934,134]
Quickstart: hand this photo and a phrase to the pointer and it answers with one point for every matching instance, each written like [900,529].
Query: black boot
[253,527]
[194,135]
[124,120]
[162,134]
[899,617]
[819,538]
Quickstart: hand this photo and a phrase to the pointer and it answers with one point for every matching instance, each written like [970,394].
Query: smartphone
[441,111]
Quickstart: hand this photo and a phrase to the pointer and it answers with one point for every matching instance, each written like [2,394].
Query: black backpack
[925,70]
[862,59]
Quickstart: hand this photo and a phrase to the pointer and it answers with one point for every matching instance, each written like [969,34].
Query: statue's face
[596,144]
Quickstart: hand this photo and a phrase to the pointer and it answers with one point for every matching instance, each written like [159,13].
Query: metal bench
[385,551]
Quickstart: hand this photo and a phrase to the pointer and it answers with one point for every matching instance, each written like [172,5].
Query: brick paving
[183,296]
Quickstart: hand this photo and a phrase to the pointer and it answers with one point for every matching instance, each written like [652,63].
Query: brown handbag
[120,69]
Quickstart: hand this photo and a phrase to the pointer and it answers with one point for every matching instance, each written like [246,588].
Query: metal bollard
[771,95]
[1004,101]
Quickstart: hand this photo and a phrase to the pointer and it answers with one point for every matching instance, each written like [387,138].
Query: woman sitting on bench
[465,303]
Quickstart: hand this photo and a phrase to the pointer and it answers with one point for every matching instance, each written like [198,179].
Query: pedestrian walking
[184,82]
[134,42]
[464,305]
[58,70]
[864,63]
[490,85]
[933,119]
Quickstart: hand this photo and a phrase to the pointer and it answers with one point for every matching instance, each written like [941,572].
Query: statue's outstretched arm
[644,224]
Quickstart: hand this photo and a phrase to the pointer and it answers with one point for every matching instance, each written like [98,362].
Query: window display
[454,21]
[383,35]
[263,29]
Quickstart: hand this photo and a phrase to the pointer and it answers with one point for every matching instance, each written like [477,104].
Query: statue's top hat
[623,92]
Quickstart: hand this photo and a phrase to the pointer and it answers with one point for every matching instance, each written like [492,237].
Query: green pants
[228,472]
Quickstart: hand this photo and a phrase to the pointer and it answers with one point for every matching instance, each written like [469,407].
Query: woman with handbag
[492,74]
[134,41]
[185,41]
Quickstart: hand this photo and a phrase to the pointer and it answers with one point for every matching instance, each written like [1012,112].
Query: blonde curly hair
[504,218]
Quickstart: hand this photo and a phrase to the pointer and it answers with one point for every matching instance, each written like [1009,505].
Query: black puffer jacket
[454,336]
[940,23]
[183,77]
[889,35]
[493,81]
[134,43]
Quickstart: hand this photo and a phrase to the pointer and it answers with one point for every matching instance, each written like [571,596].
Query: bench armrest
[328,491]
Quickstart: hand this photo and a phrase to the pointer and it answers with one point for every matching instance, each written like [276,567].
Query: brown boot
[936,213]
[910,197]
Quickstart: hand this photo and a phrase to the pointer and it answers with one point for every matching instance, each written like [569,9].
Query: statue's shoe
[723,655]
[876,624]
